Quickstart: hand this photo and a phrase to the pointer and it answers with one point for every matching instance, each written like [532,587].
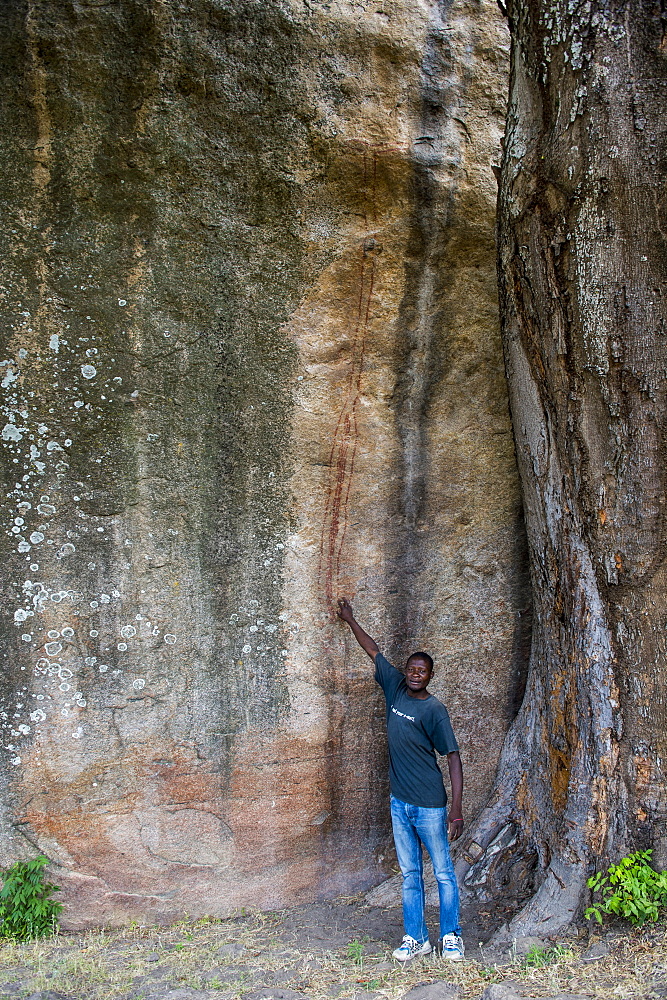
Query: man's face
[417,675]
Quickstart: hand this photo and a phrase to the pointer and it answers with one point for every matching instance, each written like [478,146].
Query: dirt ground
[339,949]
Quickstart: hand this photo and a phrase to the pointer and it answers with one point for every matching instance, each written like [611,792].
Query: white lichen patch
[70,641]
[11,432]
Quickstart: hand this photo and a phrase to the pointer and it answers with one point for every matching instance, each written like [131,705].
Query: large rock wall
[251,363]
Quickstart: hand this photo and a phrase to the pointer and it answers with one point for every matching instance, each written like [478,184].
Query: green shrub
[26,909]
[633,890]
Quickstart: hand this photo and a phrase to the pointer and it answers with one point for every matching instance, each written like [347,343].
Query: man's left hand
[455,828]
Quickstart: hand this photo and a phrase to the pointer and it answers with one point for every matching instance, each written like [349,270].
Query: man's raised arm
[368,645]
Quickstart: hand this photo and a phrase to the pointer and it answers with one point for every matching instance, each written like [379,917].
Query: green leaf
[634,890]
[26,912]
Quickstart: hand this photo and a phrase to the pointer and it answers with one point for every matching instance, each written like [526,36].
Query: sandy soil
[340,949]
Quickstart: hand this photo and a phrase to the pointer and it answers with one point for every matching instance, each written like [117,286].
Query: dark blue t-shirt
[416,728]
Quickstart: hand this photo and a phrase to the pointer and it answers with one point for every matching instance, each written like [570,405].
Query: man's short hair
[422,656]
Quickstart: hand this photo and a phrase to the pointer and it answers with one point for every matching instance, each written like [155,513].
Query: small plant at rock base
[355,951]
[539,958]
[27,911]
[631,889]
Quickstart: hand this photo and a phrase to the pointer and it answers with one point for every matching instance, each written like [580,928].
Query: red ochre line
[344,444]
[344,409]
[333,461]
[355,404]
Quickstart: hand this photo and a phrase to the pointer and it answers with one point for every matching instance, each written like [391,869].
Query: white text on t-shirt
[402,714]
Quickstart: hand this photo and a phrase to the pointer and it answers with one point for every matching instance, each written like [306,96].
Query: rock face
[251,363]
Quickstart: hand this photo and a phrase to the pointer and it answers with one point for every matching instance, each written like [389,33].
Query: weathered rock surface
[506,991]
[48,995]
[596,951]
[251,362]
[433,991]
[501,991]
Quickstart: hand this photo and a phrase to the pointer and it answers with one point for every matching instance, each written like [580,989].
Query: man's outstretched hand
[344,610]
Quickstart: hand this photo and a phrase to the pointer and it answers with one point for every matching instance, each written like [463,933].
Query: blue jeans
[414,826]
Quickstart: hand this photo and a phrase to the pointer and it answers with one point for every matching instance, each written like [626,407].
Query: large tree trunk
[582,256]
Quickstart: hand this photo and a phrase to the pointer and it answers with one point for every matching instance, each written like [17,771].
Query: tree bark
[582,260]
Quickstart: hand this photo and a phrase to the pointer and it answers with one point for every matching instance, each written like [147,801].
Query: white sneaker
[411,949]
[452,948]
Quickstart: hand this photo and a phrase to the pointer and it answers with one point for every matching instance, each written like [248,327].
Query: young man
[417,726]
